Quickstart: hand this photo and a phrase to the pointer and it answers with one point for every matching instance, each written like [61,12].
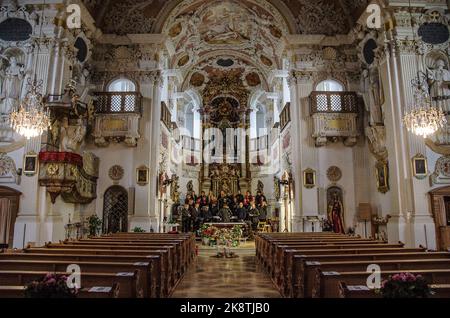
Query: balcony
[117,116]
[334,102]
[118,102]
[335,117]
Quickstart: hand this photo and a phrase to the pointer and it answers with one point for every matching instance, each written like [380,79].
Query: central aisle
[211,277]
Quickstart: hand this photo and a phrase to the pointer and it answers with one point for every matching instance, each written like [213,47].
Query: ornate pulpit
[70,175]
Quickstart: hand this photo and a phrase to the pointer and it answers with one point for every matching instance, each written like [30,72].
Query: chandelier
[423,119]
[425,122]
[31,119]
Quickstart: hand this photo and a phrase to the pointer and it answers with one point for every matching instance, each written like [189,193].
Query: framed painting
[30,164]
[420,167]
[309,178]
[142,176]
[382,173]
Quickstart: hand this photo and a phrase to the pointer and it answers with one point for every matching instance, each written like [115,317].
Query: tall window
[122,85]
[334,100]
[330,86]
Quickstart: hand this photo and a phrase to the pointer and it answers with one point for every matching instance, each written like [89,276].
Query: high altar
[229,170]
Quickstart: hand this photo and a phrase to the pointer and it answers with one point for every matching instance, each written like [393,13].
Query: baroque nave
[287,145]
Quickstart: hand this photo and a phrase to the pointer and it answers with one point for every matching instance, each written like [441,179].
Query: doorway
[9,208]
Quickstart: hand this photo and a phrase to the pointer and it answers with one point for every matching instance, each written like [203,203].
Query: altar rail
[118,102]
[334,102]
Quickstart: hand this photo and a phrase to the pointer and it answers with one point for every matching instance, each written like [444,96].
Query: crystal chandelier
[31,119]
[425,122]
[423,119]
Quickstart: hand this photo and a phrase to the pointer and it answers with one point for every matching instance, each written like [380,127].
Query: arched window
[333,100]
[122,85]
[330,86]
[115,210]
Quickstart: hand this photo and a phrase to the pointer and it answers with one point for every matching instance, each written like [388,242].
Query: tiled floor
[241,277]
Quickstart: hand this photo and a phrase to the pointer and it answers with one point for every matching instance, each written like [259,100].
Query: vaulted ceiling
[304,16]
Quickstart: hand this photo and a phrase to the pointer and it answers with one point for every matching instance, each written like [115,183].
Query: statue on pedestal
[12,79]
[336,214]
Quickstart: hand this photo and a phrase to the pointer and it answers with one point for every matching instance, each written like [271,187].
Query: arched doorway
[440,205]
[115,210]
[9,208]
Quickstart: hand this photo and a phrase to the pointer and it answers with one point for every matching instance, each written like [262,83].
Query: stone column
[155,140]
[305,154]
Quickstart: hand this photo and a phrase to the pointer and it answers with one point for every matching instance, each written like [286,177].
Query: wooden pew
[92,292]
[171,268]
[317,284]
[278,265]
[291,275]
[303,269]
[131,286]
[75,258]
[161,267]
[88,267]
[361,291]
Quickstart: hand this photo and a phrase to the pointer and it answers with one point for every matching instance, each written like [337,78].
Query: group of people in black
[224,209]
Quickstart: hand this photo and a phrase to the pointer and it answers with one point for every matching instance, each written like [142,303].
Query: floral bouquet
[50,286]
[405,285]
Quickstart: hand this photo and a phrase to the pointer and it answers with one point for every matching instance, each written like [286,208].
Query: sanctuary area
[224,149]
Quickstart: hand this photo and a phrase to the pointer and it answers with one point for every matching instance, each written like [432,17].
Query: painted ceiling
[303,16]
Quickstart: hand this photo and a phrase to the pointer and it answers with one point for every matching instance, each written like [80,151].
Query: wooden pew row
[155,283]
[162,278]
[264,245]
[188,239]
[131,285]
[275,260]
[345,291]
[263,239]
[298,276]
[273,249]
[170,271]
[300,283]
[292,275]
[182,247]
[93,292]
[174,252]
[88,267]
[277,264]
[319,286]
[270,248]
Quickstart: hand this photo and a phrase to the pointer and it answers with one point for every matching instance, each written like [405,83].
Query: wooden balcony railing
[118,102]
[334,102]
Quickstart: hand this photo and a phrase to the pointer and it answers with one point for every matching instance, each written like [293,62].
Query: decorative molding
[8,169]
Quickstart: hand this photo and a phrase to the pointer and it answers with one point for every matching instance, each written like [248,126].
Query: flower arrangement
[223,237]
[405,285]
[95,225]
[50,286]
[138,230]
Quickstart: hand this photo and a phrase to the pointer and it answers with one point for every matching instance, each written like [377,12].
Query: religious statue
[372,96]
[439,80]
[336,214]
[73,136]
[226,187]
[11,85]
[377,141]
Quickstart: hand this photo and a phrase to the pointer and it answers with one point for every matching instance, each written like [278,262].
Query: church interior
[293,146]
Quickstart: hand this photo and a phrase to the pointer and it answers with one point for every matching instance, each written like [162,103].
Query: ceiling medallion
[334,174]
[116,173]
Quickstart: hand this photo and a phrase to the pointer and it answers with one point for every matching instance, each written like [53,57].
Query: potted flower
[138,230]
[50,286]
[405,285]
[95,225]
